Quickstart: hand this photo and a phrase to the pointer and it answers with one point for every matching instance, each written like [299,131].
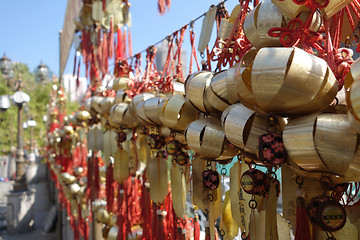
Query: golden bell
[105,217]
[195,87]
[206,137]
[78,171]
[113,233]
[121,96]
[243,127]
[177,113]
[87,105]
[82,116]
[321,143]
[259,21]
[95,103]
[151,109]
[290,81]
[140,113]
[120,83]
[105,105]
[139,99]
[74,188]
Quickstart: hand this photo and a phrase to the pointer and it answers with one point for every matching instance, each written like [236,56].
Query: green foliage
[37,108]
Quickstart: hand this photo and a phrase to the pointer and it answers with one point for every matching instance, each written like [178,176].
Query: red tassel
[105,49]
[96,177]
[109,190]
[170,217]
[111,39]
[302,231]
[196,228]
[119,48]
[129,43]
[104,5]
[161,228]
[207,234]
[124,44]
[146,212]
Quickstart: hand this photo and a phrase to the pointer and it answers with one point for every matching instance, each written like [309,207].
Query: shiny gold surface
[354,99]
[353,171]
[333,7]
[219,85]
[258,23]
[299,142]
[213,139]
[322,99]
[178,113]
[95,103]
[120,83]
[242,81]
[288,7]
[151,109]
[113,233]
[235,123]
[120,96]
[195,87]
[106,104]
[193,133]
[281,78]
[230,86]
[140,114]
[216,101]
[335,141]
[353,74]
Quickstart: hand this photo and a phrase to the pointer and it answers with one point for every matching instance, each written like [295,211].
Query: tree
[37,108]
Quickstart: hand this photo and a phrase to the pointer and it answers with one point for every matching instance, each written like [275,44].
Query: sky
[30,29]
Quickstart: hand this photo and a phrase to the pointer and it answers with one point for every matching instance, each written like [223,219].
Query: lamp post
[21,199]
[20,98]
[41,73]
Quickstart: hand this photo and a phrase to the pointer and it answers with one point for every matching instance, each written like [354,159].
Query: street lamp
[21,198]
[20,98]
[5,64]
[41,73]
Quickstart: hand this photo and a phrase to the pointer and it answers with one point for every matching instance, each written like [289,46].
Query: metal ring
[172,134]
[223,171]
[252,204]
[178,220]
[299,180]
[243,236]
[210,197]
[222,232]
[202,55]
[325,182]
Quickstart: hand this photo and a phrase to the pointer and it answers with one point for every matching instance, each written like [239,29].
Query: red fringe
[109,190]
[121,222]
[129,42]
[119,48]
[111,39]
[302,231]
[196,228]
[146,212]
[96,177]
[170,217]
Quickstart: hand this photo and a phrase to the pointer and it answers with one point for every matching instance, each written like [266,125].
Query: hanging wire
[188,24]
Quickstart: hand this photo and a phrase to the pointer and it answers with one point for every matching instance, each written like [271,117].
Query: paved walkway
[42,206]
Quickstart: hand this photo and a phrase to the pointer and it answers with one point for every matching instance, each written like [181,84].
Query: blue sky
[30,29]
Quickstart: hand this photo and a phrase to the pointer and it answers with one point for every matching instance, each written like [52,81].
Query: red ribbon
[296,33]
